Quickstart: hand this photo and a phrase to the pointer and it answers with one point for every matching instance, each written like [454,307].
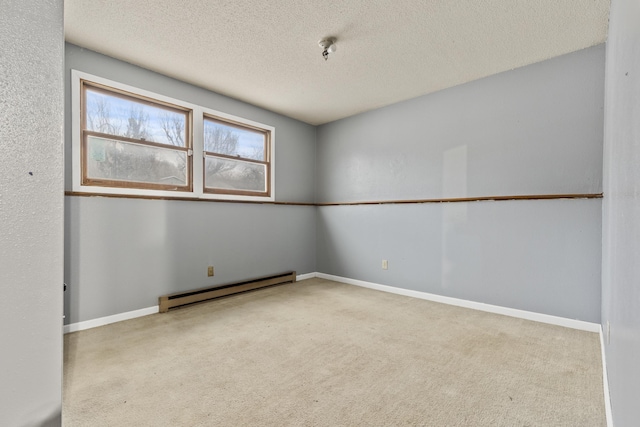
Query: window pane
[125,161]
[116,115]
[234,175]
[233,141]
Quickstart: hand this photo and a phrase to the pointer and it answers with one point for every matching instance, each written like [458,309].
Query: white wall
[621,212]
[31,211]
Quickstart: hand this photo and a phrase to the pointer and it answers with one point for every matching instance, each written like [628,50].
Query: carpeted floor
[321,353]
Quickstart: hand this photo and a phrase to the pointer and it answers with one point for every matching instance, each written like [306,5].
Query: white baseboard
[522,314]
[605,383]
[306,276]
[93,323]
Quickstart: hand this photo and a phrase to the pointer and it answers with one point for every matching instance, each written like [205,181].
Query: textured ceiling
[266,52]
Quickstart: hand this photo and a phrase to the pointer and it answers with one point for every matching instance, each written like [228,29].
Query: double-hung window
[236,158]
[133,142]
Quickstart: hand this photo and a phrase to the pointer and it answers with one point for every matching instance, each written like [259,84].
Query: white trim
[101,321]
[306,276]
[522,314]
[605,383]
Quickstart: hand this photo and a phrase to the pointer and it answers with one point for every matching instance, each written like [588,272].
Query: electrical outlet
[385,264]
[210,271]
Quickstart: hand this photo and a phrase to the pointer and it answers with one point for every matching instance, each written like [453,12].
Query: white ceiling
[266,52]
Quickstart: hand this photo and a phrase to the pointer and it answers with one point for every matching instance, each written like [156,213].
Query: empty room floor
[322,353]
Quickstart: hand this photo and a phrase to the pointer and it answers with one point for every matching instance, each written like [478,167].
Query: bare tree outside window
[173,128]
[137,124]
[220,141]
[99,117]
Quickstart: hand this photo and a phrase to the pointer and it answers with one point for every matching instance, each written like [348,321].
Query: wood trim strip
[381,202]
[184,199]
[470,199]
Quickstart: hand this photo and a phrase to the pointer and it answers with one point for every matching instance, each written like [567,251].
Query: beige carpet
[321,353]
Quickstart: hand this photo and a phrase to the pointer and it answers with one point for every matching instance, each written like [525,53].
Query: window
[235,158]
[133,142]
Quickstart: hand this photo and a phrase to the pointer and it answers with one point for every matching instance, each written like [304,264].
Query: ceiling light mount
[328,46]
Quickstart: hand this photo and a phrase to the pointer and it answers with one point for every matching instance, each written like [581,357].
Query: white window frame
[197,127]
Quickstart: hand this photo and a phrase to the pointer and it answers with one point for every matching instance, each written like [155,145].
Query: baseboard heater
[180,299]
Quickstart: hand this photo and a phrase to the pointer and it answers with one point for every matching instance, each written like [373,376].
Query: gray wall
[31,211]
[621,212]
[121,254]
[540,256]
[534,130]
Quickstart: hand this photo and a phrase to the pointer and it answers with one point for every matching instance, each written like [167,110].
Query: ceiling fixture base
[328,46]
